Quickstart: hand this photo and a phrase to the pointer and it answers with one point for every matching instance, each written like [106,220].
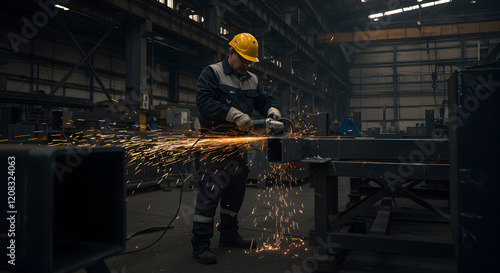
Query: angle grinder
[274,128]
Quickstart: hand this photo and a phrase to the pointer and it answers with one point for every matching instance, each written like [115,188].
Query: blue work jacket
[219,87]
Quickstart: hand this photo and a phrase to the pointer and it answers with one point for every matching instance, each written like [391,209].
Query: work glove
[274,113]
[242,120]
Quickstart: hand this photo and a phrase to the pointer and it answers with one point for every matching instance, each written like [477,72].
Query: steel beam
[386,244]
[395,87]
[365,204]
[392,164]
[422,203]
[171,21]
[287,32]
[282,75]
[43,99]
[393,150]
[284,149]
[474,168]
[407,33]
[72,37]
[320,18]
[381,224]
[82,60]
[381,169]
[321,200]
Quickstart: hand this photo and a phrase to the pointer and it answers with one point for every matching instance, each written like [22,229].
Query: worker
[226,92]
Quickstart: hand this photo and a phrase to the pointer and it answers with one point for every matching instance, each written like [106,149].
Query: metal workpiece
[395,168]
[391,179]
[394,150]
[412,150]
[68,207]
[281,150]
[384,170]
[474,167]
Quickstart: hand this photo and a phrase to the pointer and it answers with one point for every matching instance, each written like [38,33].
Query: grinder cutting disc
[281,128]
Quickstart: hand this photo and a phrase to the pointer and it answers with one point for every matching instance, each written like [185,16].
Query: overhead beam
[318,16]
[82,60]
[44,99]
[435,31]
[275,22]
[190,30]
[284,76]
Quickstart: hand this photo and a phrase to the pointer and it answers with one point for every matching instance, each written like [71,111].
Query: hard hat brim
[249,58]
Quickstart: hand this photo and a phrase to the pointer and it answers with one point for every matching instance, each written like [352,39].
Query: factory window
[170,3]
[276,62]
[196,18]
[223,31]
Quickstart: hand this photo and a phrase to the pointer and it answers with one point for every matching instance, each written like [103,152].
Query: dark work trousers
[220,180]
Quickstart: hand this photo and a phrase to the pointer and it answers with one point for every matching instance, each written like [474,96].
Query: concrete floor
[147,208]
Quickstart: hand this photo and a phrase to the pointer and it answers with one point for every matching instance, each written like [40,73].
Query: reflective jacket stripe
[203,219]
[228,212]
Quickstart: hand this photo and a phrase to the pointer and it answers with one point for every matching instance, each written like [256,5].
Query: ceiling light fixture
[410,8]
[376,15]
[61,7]
[394,11]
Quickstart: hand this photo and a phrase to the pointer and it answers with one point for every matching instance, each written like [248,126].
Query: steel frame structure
[397,166]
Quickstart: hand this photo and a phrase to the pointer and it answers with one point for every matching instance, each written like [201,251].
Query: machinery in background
[349,128]
[177,118]
[441,123]
[14,127]
[320,124]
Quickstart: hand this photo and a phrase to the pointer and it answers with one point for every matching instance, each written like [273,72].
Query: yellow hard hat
[246,45]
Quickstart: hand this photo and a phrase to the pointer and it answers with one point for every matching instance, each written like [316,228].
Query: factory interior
[381,155]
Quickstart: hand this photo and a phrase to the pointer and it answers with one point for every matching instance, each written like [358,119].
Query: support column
[212,24]
[395,84]
[136,77]
[309,102]
[286,90]
[287,12]
[212,21]
[462,53]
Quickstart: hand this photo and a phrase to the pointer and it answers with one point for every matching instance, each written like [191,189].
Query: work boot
[204,256]
[238,242]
